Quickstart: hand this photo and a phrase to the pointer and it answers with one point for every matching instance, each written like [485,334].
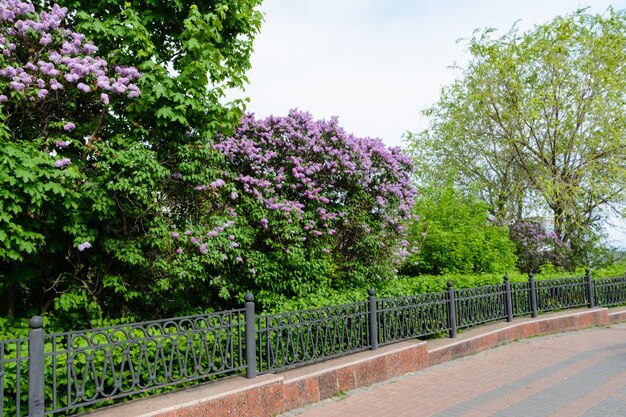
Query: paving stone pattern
[580,373]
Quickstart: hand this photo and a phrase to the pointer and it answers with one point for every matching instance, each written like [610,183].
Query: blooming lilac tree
[301,204]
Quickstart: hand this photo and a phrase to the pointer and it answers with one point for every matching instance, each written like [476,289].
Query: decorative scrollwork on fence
[96,365]
[610,291]
[405,318]
[480,305]
[556,294]
[306,336]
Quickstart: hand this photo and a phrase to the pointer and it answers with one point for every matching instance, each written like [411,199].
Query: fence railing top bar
[362,305]
[415,297]
[141,324]
[13,341]
[482,289]
[557,282]
[618,277]
[577,278]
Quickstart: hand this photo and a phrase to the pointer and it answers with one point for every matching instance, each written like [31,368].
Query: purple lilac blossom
[60,53]
[83,246]
[62,163]
[296,165]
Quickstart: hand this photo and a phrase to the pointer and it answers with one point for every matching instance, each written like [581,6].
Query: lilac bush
[302,203]
[537,247]
[315,173]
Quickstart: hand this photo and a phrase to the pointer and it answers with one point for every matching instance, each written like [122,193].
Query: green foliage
[456,235]
[405,285]
[87,240]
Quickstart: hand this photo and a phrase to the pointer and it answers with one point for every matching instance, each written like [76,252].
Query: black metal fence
[64,373]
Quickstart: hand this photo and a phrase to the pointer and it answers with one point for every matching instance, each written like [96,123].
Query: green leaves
[106,210]
[456,236]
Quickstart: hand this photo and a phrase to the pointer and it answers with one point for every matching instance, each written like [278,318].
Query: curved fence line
[66,372]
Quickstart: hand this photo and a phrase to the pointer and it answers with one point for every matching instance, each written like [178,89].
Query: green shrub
[455,235]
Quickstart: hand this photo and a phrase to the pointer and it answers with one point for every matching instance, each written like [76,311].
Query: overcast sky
[376,63]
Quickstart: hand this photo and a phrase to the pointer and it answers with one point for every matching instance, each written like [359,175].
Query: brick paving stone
[580,373]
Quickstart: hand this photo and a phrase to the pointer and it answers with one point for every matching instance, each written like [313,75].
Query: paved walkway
[565,375]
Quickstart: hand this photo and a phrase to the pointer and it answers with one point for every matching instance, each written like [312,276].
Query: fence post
[508,299]
[533,294]
[373,319]
[250,337]
[36,336]
[590,297]
[451,310]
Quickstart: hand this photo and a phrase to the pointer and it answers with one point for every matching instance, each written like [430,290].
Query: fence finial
[36,322]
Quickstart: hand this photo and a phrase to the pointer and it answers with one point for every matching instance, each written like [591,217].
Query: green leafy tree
[456,234]
[83,234]
[537,123]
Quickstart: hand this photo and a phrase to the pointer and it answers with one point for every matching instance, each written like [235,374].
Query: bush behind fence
[65,373]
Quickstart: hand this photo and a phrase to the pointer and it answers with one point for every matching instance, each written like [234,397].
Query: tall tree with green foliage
[537,121]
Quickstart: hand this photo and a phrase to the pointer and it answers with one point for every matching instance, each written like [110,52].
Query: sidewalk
[580,373]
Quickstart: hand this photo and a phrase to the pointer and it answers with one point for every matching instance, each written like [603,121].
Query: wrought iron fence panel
[402,318]
[556,294]
[300,337]
[92,366]
[13,377]
[480,305]
[521,299]
[610,291]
